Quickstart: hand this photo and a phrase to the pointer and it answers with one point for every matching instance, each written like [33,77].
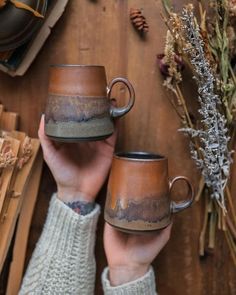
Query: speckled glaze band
[139,215]
[79,105]
[70,117]
[138,193]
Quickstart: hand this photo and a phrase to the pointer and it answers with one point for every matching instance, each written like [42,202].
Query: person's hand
[79,169]
[129,256]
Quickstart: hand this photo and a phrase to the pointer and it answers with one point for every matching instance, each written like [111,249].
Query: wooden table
[99,32]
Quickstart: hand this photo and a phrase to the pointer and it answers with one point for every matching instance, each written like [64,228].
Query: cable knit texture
[142,286]
[63,261]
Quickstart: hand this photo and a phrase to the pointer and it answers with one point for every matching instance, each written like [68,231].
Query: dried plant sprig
[26,154]
[216,28]
[172,60]
[7,157]
[216,158]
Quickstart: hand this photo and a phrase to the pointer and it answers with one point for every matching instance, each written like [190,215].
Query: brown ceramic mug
[79,105]
[138,194]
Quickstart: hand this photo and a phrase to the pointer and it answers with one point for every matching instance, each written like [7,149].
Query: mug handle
[179,206]
[118,112]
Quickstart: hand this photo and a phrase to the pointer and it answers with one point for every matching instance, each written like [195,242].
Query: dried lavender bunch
[215,158]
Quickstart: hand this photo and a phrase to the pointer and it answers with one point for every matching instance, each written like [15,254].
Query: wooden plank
[9,121]
[1,110]
[23,227]
[11,211]
[7,173]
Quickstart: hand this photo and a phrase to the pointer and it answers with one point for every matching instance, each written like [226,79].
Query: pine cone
[138,20]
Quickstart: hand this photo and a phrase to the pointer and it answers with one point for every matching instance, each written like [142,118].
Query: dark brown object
[3,3]
[138,20]
[138,193]
[79,106]
[164,68]
[18,25]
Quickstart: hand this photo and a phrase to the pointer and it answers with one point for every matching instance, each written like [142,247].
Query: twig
[184,105]
[231,247]
[232,73]
[175,108]
[212,230]
[203,231]
[231,227]
[231,205]
[201,187]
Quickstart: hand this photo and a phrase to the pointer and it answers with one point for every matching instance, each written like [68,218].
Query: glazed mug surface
[138,193]
[79,105]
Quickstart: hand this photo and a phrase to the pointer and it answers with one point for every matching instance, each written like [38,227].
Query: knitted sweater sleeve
[63,260]
[144,285]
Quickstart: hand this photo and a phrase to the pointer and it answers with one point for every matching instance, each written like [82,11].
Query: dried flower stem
[207,54]
[216,157]
[223,219]
[219,212]
[201,187]
[231,227]
[175,108]
[180,96]
[232,74]
[231,205]
[177,42]
[212,230]
[203,231]
[231,246]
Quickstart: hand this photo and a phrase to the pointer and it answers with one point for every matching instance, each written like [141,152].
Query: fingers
[46,143]
[112,234]
[163,237]
[112,139]
[109,231]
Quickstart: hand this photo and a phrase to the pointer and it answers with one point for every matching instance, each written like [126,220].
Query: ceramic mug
[79,105]
[138,194]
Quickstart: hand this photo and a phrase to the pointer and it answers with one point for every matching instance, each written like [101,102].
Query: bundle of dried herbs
[207,45]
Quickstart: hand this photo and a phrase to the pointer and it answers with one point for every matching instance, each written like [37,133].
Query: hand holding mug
[79,169]
[129,256]
[79,105]
[138,193]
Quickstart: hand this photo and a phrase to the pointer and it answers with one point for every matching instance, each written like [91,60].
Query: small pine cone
[138,20]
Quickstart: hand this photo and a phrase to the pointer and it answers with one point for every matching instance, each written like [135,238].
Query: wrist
[122,275]
[69,195]
[81,207]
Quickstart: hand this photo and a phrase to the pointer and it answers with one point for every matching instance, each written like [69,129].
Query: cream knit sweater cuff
[63,261]
[142,286]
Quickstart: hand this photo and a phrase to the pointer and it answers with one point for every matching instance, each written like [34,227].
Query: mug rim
[140,156]
[75,65]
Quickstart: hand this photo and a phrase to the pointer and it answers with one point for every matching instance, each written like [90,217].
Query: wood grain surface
[99,32]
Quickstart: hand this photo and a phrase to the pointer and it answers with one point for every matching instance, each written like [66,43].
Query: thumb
[46,143]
